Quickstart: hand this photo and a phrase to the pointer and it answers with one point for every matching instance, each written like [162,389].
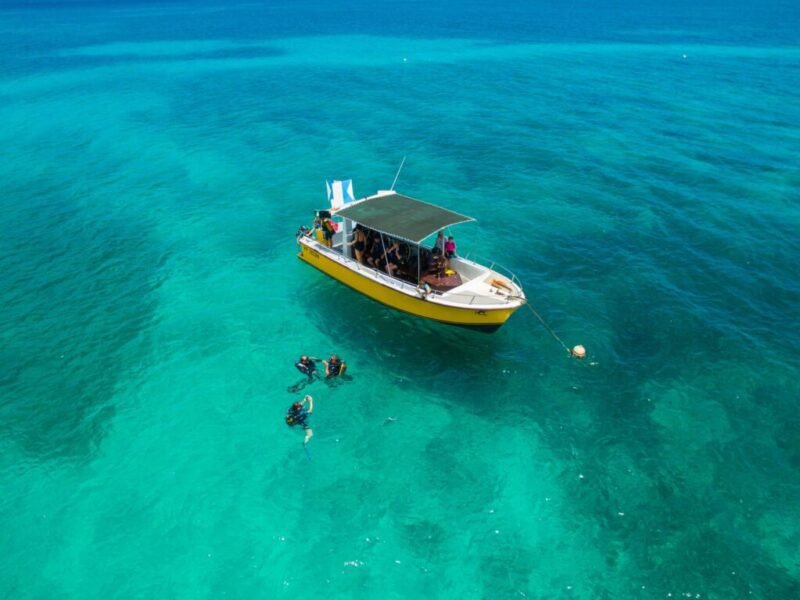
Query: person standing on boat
[440,243]
[450,248]
[328,229]
[359,243]
[316,230]
[298,415]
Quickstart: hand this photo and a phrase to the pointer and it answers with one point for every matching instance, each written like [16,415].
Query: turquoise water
[634,164]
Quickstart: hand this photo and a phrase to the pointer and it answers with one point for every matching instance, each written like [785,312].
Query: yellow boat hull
[486,320]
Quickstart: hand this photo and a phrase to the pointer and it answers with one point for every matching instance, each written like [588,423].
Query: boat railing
[492,266]
[466,299]
[385,277]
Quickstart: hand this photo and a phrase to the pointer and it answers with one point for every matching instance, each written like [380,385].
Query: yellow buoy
[578,351]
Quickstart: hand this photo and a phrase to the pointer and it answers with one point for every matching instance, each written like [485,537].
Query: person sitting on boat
[306,366]
[334,366]
[404,262]
[298,415]
[393,259]
[376,253]
[438,264]
[450,248]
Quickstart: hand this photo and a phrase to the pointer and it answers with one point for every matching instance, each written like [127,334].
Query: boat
[456,291]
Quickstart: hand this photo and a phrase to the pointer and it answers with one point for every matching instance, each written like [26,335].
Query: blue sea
[635,163]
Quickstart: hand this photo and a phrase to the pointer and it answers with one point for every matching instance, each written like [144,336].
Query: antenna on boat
[391,189]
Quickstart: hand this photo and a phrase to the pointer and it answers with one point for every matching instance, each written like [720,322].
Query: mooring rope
[544,323]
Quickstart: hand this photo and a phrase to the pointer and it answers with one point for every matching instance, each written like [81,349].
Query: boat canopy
[402,217]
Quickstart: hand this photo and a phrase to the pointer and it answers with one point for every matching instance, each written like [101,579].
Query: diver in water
[334,367]
[298,415]
[306,366]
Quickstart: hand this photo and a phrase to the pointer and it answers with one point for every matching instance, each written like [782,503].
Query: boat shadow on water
[402,344]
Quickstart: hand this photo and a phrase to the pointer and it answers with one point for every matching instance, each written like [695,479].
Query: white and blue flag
[340,192]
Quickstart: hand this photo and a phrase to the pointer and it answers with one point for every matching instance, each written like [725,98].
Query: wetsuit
[297,418]
[307,368]
[334,368]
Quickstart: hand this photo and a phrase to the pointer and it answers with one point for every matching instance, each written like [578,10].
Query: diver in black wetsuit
[306,365]
[334,366]
[298,415]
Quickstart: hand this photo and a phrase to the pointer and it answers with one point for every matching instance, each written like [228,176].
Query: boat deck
[481,287]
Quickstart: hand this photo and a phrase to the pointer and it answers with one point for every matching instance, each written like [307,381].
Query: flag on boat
[340,192]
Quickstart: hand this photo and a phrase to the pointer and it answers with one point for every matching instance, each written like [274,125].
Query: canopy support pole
[385,257]
[347,228]
[419,264]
